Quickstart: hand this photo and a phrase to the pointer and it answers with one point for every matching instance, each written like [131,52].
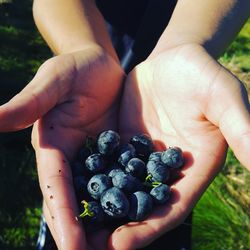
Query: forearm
[212,24]
[71,25]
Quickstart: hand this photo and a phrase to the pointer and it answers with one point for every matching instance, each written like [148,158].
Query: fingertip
[133,235]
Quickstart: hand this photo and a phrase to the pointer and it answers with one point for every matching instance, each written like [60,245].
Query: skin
[180,95]
[202,127]
[60,101]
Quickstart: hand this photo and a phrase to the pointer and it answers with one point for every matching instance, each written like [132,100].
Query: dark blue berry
[95,163]
[155,156]
[143,145]
[141,206]
[136,167]
[125,153]
[98,184]
[173,157]
[77,168]
[92,210]
[83,154]
[114,171]
[115,203]
[126,182]
[157,171]
[107,142]
[80,186]
[160,193]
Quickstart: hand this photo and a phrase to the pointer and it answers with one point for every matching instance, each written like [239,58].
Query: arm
[69,26]
[59,101]
[210,23]
[182,96]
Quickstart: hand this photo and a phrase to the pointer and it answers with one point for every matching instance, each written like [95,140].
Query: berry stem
[156,183]
[148,178]
[86,211]
[149,183]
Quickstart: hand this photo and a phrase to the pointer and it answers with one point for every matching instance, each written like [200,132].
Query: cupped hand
[183,97]
[71,96]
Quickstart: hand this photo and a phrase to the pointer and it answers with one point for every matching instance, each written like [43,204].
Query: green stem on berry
[148,178]
[156,183]
[86,211]
[149,183]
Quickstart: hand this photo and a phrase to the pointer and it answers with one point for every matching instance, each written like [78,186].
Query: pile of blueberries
[114,180]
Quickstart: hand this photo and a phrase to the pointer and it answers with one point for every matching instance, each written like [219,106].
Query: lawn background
[221,218]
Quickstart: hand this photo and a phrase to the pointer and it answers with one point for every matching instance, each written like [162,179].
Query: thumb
[45,90]
[229,105]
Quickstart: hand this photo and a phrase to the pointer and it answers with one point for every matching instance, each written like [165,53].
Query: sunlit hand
[71,96]
[183,97]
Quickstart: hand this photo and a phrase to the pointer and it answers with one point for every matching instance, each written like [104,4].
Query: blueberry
[126,182]
[93,210]
[160,193]
[173,157]
[114,171]
[141,206]
[107,142]
[77,168]
[95,163]
[98,184]
[115,203]
[80,183]
[83,154]
[158,171]
[155,156]
[80,186]
[143,145]
[136,167]
[125,153]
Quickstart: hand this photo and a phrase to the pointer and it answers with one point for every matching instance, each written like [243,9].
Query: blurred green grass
[238,53]
[221,218]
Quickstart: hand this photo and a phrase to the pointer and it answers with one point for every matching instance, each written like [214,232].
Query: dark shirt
[135,26]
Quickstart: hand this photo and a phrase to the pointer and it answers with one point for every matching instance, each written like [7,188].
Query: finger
[235,126]
[56,184]
[39,96]
[99,239]
[48,220]
[232,114]
[186,193]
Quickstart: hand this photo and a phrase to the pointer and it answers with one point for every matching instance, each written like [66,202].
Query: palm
[91,106]
[71,96]
[172,104]
[175,97]
[88,105]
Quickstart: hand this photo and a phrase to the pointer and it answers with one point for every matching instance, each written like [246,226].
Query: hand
[71,96]
[183,97]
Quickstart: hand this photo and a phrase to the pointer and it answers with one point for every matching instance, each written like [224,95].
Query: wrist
[179,47]
[70,26]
